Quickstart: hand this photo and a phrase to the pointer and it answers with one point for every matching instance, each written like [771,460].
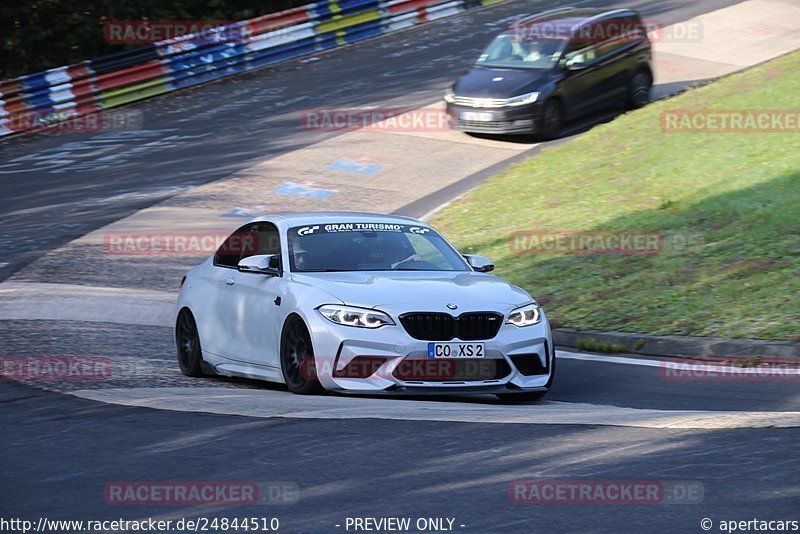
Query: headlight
[525,316]
[449,96]
[521,100]
[352,316]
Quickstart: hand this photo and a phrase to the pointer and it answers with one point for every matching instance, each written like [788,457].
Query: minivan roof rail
[549,12]
[601,16]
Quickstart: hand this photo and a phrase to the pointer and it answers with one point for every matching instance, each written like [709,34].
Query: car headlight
[352,316]
[449,96]
[521,100]
[525,316]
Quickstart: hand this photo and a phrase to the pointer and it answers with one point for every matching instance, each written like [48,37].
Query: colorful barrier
[37,100]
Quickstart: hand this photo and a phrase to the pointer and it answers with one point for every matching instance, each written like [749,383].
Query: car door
[579,87]
[214,320]
[254,304]
[613,59]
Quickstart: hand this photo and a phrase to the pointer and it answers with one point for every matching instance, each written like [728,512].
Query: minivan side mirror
[480,264]
[575,65]
[268,264]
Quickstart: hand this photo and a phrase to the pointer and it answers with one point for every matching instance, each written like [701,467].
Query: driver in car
[528,51]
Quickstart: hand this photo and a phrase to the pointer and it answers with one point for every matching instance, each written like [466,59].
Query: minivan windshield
[521,52]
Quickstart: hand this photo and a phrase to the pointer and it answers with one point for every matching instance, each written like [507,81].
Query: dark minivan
[553,67]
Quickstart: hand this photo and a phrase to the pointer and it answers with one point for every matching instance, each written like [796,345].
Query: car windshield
[519,51]
[360,246]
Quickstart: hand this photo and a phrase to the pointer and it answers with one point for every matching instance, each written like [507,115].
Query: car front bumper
[508,120]
[389,360]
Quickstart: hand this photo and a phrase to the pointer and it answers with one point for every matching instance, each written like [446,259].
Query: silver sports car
[360,303]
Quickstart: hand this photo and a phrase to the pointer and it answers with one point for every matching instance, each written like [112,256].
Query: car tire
[531,395]
[187,340]
[639,90]
[297,359]
[552,119]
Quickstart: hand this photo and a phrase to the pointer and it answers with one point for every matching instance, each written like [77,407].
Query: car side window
[619,33]
[228,253]
[260,238]
[578,52]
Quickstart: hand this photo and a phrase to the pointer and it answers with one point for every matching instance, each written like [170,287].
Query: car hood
[481,82]
[418,291]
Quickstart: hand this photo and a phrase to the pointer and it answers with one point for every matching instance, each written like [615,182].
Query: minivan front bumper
[508,120]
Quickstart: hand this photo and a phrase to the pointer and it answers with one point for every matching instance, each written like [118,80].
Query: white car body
[240,317]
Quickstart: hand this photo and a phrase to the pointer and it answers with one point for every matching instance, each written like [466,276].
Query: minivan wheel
[639,93]
[552,119]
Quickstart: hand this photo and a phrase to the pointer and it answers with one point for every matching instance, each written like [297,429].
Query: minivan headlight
[449,96]
[525,316]
[521,100]
[353,316]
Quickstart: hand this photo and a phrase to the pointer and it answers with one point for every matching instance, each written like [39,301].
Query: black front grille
[429,326]
[473,326]
[476,326]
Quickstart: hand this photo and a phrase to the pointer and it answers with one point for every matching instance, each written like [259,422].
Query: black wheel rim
[641,89]
[187,340]
[297,355]
[552,118]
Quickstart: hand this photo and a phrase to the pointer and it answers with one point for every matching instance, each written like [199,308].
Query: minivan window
[579,52]
[520,52]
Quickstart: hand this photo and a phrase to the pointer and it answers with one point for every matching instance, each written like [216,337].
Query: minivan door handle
[229,281]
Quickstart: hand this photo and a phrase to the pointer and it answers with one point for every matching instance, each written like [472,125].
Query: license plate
[455,350]
[475,116]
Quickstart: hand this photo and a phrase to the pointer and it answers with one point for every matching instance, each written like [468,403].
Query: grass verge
[725,205]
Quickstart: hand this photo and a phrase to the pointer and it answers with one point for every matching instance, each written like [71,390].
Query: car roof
[298,218]
[574,17]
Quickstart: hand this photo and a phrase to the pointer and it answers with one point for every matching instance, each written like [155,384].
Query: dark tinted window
[251,239]
[612,35]
[264,239]
[579,52]
[228,253]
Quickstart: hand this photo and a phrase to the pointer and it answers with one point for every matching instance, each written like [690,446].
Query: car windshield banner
[360,227]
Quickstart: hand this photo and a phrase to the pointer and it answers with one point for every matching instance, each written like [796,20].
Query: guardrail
[46,98]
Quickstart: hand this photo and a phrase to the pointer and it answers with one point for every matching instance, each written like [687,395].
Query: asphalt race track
[86,180]
[728,449]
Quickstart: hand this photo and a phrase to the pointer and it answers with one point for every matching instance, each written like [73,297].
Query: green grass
[728,205]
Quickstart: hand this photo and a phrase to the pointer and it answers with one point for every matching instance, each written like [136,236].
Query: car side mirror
[480,264]
[578,65]
[269,264]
